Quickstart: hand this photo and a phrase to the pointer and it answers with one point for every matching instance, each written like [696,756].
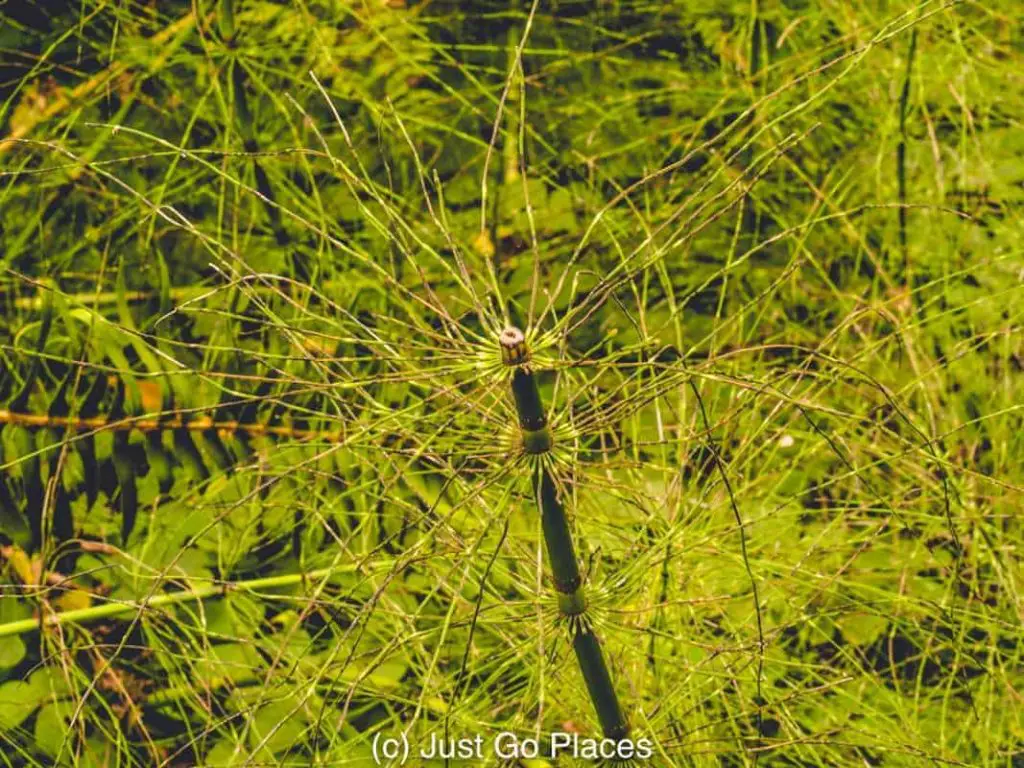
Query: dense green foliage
[263,493]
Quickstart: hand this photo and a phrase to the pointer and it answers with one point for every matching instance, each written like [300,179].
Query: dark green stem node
[537,441]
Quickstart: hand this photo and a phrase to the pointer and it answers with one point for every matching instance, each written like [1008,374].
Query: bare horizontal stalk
[212,590]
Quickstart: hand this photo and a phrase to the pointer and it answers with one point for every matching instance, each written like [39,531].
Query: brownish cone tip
[513,346]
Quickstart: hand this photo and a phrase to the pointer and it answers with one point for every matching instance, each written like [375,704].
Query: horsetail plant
[253,509]
[537,441]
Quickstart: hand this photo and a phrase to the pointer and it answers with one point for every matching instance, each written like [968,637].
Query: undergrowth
[264,494]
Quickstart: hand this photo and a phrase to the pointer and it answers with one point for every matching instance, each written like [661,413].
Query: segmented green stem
[565,571]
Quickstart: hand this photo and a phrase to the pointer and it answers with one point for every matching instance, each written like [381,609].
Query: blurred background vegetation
[769,254]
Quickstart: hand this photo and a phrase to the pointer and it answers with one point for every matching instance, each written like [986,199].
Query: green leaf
[52,727]
[279,725]
[16,703]
[228,754]
[234,615]
[86,444]
[22,446]
[12,651]
[20,400]
[12,522]
[159,461]
[125,469]
[862,628]
[559,214]
[220,455]
[232,662]
[19,699]
[188,454]
[98,753]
